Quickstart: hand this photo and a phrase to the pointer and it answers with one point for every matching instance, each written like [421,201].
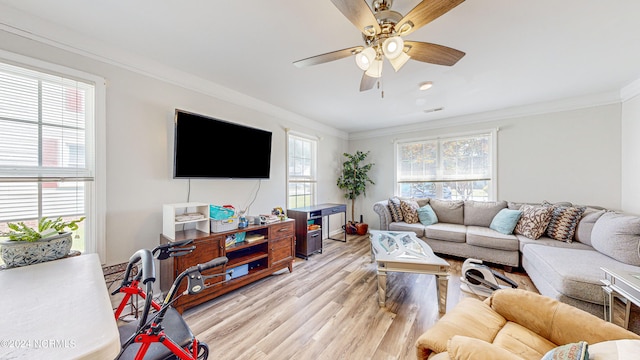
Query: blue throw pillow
[427,216]
[505,221]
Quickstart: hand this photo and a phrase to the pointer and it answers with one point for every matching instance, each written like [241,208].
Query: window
[47,146]
[458,168]
[301,183]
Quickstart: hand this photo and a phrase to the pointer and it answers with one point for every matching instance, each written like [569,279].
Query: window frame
[493,195]
[312,180]
[95,202]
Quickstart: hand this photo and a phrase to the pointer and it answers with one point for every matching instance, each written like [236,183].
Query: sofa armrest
[466,348]
[558,322]
[382,210]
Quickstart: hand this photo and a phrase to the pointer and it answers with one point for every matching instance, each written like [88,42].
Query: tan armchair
[512,324]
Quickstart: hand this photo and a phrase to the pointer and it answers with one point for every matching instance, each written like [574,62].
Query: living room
[581,147]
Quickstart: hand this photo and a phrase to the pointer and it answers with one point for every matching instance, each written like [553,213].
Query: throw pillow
[427,216]
[618,236]
[409,211]
[534,221]
[573,351]
[395,209]
[505,221]
[563,222]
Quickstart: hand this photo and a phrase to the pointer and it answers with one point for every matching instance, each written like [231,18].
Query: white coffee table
[624,285]
[402,251]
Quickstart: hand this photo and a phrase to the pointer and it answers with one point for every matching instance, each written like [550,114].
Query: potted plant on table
[26,245]
[354,180]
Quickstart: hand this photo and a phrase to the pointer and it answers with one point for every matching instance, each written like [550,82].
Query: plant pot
[350,228]
[22,253]
[362,228]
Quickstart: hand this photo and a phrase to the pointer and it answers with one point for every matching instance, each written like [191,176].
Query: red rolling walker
[160,332]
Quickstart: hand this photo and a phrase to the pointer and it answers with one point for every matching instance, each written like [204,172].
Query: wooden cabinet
[250,261]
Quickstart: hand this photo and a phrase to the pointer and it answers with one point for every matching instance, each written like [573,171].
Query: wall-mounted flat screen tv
[206,147]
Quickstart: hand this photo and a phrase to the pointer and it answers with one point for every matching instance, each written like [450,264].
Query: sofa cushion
[505,221]
[422,201]
[464,347]
[427,216]
[547,241]
[534,221]
[481,213]
[520,340]
[448,211]
[447,232]
[563,222]
[572,272]
[403,226]
[585,225]
[485,237]
[615,349]
[395,209]
[618,236]
[409,211]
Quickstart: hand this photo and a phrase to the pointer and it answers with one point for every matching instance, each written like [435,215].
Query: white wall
[563,156]
[139,150]
[631,155]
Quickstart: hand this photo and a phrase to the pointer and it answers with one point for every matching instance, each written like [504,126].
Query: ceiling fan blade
[424,13]
[323,58]
[360,14]
[433,53]
[367,82]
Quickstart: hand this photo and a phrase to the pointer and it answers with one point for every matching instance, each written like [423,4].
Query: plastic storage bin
[224,225]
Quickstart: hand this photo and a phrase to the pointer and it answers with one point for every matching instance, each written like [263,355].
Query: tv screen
[211,148]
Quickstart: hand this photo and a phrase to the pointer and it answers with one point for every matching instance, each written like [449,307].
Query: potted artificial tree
[354,180]
[26,245]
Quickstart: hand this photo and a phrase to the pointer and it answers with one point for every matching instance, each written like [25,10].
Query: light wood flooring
[326,309]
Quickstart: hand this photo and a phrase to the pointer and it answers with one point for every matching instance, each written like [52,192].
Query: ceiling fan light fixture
[365,58]
[404,28]
[393,47]
[375,70]
[426,85]
[399,61]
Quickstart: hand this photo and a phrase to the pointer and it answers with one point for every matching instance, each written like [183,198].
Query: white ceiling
[517,52]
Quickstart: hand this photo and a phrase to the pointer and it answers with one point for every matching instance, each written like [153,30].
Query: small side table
[623,285]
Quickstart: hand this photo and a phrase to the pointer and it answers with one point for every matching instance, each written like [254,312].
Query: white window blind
[46,145]
[301,171]
[459,167]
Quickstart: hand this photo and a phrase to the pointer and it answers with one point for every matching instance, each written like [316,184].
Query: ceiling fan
[382,30]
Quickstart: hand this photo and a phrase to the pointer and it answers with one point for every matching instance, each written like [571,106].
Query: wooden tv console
[259,259]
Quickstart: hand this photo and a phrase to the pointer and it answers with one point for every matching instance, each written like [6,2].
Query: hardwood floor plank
[326,309]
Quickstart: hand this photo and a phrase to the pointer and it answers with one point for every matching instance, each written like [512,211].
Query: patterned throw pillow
[410,211]
[534,221]
[395,209]
[563,223]
[573,351]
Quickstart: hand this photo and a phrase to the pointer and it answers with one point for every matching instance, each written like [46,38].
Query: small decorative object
[277,211]
[354,180]
[26,245]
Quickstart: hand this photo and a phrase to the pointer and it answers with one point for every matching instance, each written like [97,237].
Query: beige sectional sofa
[568,270]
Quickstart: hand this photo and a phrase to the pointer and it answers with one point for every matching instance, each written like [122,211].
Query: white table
[624,285]
[57,310]
[402,251]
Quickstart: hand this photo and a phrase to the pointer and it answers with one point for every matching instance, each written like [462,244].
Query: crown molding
[630,91]
[575,103]
[21,24]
